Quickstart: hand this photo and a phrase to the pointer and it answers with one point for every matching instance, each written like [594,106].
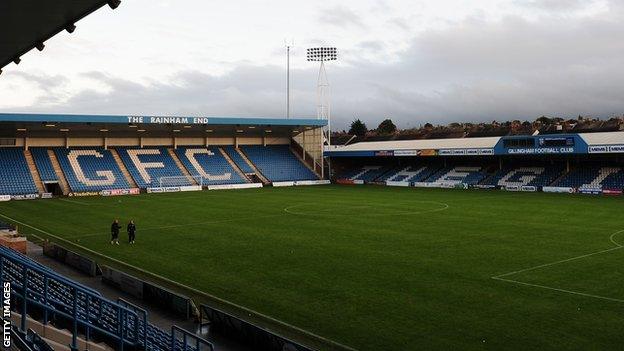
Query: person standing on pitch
[115,232]
[131,230]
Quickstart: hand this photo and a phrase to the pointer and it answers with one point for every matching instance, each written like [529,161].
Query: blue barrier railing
[35,285]
[181,340]
[188,341]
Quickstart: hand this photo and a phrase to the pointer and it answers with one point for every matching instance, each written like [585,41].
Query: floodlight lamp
[322,54]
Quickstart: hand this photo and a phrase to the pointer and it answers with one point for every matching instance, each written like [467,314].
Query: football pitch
[376,268]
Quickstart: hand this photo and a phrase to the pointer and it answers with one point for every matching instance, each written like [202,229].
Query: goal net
[164,182]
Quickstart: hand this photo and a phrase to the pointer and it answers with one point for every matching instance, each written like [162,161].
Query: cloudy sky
[414,61]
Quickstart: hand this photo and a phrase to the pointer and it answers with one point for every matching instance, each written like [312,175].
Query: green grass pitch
[379,268]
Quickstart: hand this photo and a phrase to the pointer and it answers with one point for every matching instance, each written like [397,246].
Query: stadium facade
[77,155]
[588,163]
[108,155]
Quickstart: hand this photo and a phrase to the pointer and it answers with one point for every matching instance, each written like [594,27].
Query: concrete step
[123,168]
[59,172]
[181,166]
[234,165]
[30,161]
[264,179]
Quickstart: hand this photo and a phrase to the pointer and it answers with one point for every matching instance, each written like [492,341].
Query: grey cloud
[401,23]
[371,45]
[340,16]
[474,71]
[42,81]
[555,5]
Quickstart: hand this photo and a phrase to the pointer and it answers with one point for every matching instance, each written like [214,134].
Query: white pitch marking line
[445,207]
[559,290]
[611,238]
[181,225]
[122,263]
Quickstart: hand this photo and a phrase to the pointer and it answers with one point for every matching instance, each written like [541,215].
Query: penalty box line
[618,246]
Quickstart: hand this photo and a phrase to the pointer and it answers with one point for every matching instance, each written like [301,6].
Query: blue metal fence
[37,288]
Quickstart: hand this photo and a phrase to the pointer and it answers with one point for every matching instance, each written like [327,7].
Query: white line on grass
[618,246]
[196,291]
[402,213]
[560,290]
[180,225]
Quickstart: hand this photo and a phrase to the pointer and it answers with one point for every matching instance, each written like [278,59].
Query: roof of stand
[27,24]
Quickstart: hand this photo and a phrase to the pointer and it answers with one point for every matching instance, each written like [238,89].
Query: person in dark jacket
[115,232]
[131,232]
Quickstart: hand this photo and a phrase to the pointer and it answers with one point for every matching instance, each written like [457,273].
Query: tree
[386,127]
[358,128]
[543,120]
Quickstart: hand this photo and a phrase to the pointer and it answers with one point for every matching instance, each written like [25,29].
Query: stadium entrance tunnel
[53,188]
[369,208]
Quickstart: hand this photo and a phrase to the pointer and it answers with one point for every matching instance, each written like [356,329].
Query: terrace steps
[304,162]
[234,165]
[181,166]
[256,170]
[59,172]
[561,177]
[123,168]
[30,161]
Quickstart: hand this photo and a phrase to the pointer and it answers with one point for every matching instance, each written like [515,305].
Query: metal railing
[36,286]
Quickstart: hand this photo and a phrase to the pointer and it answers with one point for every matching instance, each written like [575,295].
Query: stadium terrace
[84,155]
[586,162]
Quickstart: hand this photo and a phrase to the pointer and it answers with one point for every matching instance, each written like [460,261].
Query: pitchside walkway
[160,318]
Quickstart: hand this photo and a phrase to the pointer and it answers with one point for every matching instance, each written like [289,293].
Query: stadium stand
[365,173]
[15,177]
[44,165]
[278,163]
[148,165]
[470,175]
[410,174]
[62,302]
[90,169]
[594,177]
[525,176]
[238,159]
[210,164]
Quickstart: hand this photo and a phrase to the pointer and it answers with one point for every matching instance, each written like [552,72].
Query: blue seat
[160,164]
[470,175]
[278,163]
[209,164]
[595,177]
[90,169]
[15,177]
[43,164]
[238,159]
[526,175]
[59,294]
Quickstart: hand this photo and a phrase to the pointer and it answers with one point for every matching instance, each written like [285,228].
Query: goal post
[170,181]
